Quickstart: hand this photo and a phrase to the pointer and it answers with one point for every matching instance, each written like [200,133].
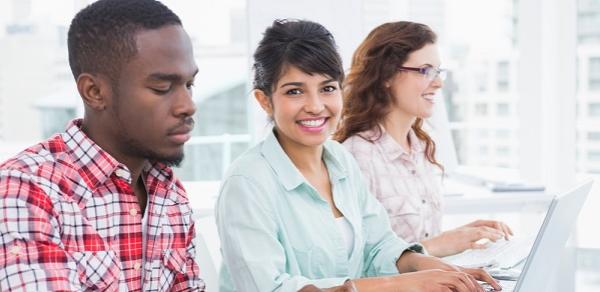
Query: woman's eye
[329,88]
[294,91]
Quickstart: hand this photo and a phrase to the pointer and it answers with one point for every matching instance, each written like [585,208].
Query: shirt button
[413,172]
[426,234]
[121,173]
[133,211]
[16,250]
[423,201]
[137,266]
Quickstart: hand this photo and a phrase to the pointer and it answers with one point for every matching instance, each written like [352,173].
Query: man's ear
[264,101]
[95,91]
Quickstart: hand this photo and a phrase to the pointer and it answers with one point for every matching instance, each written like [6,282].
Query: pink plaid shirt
[407,184]
[70,221]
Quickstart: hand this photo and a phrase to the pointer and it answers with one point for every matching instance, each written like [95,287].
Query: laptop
[543,258]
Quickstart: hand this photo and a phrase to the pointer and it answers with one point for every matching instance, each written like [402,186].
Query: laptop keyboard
[504,254]
[507,286]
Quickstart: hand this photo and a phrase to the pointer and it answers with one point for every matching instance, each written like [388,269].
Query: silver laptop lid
[544,256]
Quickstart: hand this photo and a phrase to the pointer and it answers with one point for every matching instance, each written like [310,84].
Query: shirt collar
[285,169]
[96,165]
[393,148]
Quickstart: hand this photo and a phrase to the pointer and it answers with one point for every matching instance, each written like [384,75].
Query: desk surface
[465,198]
[462,199]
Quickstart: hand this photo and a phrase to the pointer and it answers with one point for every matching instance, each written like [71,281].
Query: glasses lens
[432,73]
[443,74]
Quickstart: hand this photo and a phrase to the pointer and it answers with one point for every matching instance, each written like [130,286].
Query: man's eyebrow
[168,76]
[165,77]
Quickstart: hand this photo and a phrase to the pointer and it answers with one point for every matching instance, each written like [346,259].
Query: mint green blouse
[278,234]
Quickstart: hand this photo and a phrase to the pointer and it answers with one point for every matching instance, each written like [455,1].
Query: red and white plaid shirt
[70,221]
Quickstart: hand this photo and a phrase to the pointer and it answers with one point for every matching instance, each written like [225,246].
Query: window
[588,110]
[482,58]
[502,76]
[594,73]
[502,151]
[593,136]
[594,156]
[481,109]
[502,109]
[503,134]
[594,110]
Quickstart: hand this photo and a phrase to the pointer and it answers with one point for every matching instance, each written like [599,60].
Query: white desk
[464,198]
[472,199]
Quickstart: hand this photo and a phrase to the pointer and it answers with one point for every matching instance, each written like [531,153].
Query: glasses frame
[425,71]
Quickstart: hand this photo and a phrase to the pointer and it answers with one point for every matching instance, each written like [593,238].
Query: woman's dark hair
[366,99]
[304,44]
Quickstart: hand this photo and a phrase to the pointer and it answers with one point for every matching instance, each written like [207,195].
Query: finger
[474,282]
[502,227]
[507,232]
[457,282]
[476,223]
[490,233]
[476,236]
[482,275]
[507,228]
[475,245]
[470,282]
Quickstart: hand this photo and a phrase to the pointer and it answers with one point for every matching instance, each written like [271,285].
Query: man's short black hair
[102,35]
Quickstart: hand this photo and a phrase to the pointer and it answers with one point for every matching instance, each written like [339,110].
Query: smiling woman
[294,210]
[390,90]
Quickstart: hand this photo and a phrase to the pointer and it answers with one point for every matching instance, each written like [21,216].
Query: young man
[98,207]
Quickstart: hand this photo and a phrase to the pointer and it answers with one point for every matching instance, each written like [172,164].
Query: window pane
[482,59]
[594,73]
[588,138]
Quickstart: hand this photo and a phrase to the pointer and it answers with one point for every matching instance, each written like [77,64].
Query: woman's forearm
[377,284]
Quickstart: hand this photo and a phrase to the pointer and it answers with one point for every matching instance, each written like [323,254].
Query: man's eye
[161,90]
[190,85]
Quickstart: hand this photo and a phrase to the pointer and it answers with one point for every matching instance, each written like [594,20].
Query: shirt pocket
[312,261]
[173,265]
[98,270]
[405,216]
[400,205]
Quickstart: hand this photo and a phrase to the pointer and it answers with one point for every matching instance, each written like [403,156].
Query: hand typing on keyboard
[503,254]
[466,237]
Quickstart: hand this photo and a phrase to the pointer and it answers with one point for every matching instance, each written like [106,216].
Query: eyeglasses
[429,72]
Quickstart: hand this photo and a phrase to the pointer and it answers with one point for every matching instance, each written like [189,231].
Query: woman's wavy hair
[366,99]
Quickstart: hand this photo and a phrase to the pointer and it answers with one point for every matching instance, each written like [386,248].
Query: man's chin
[172,160]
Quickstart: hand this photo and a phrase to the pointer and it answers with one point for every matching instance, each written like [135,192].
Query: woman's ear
[264,101]
[387,84]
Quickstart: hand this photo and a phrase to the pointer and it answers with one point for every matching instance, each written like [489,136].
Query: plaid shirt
[406,183]
[70,221]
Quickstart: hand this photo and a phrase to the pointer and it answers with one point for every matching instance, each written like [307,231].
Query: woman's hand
[466,237]
[348,286]
[455,277]
[437,280]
